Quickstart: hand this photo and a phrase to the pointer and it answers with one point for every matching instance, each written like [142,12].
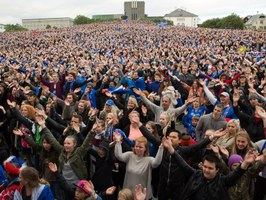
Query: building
[107,16]
[134,10]
[182,18]
[256,22]
[43,23]
[2,28]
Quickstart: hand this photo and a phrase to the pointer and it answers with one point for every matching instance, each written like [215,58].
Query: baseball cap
[81,185]
[109,102]
[225,94]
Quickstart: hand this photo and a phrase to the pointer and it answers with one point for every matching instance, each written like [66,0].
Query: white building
[43,23]
[2,28]
[256,22]
[182,18]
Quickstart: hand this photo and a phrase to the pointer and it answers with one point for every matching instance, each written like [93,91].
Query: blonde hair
[133,100]
[126,194]
[113,116]
[168,123]
[243,134]
[236,123]
[144,140]
[133,112]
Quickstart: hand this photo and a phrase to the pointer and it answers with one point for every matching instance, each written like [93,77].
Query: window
[261,21]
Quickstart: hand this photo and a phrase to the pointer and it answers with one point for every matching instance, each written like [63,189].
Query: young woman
[47,154]
[71,157]
[31,186]
[138,164]
[242,144]
[231,130]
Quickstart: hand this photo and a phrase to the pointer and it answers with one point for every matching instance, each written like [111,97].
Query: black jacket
[171,176]
[199,188]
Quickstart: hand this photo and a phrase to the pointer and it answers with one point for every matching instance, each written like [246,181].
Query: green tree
[48,26]
[14,27]
[81,19]
[230,22]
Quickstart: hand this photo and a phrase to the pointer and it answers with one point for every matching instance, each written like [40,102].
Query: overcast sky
[12,11]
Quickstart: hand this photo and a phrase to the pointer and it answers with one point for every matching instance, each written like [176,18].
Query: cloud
[15,10]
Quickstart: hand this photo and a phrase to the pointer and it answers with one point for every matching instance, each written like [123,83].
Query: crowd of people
[132,111]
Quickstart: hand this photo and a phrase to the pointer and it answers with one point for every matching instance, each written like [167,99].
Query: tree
[14,27]
[230,22]
[48,26]
[81,19]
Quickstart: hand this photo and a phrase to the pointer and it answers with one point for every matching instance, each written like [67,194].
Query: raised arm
[208,93]
[155,162]
[124,157]
[180,161]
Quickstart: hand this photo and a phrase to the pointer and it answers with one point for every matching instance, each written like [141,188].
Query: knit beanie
[235,158]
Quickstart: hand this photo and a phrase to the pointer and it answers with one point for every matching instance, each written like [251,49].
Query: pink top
[134,133]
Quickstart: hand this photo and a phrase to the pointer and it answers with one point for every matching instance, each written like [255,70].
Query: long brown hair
[31,176]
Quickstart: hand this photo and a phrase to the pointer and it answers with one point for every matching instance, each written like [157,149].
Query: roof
[254,18]
[180,13]
[55,18]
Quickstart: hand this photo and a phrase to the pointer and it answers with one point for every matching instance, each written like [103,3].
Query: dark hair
[220,106]
[175,131]
[212,158]
[75,115]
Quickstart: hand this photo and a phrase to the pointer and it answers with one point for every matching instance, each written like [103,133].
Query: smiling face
[24,111]
[81,107]
[241,142]
[69,145]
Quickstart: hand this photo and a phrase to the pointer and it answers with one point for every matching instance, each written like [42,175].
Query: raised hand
[202,82]
[249,159]
[117,137]
[224,151]
[89,187]
[139,193]
[40,120]
[110,190]
[219,133]
[11,104]
[76,127]
[17,132]
[77,90]
[191,100]
[40,112]
[52,166]
[261,112]
[137,91]
[167,143]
